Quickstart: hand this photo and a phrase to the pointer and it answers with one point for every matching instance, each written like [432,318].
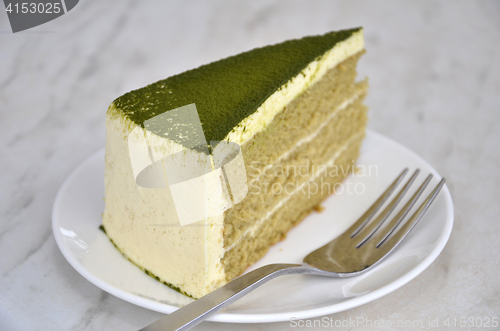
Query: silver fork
[356,251]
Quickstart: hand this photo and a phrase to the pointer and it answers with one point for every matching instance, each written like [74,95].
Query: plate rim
[262,317]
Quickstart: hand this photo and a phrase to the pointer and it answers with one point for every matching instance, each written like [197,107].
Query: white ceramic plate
[77,216]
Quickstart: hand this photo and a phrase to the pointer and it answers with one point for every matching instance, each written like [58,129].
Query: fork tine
[356,227]
[381,237]
[389,244]
[370,229]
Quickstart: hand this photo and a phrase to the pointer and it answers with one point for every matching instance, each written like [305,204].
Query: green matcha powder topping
[229,90]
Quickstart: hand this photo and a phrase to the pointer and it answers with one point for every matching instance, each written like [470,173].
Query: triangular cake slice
[296,113]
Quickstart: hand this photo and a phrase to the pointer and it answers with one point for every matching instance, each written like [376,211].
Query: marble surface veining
[434,71]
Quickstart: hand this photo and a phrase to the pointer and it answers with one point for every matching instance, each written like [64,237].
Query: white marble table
[434,71]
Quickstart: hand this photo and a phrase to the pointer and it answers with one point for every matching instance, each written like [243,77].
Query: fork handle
[199,310]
